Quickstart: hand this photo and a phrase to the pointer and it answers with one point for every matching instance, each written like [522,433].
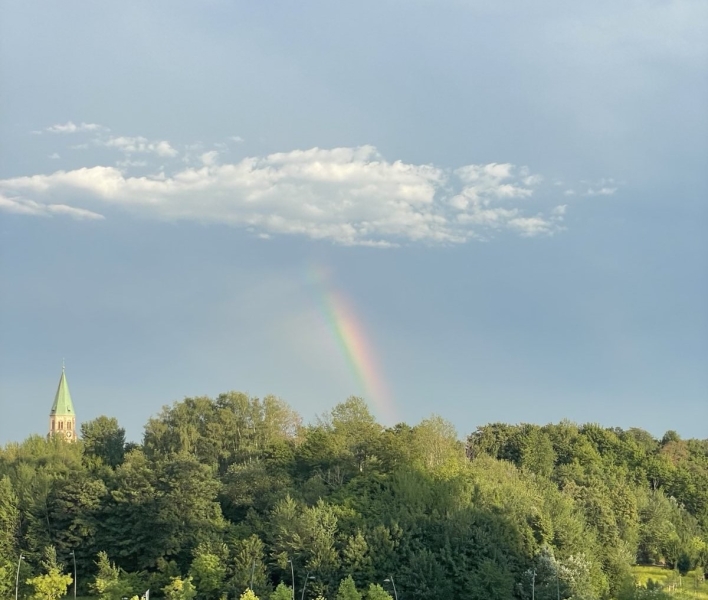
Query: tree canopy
[236,496]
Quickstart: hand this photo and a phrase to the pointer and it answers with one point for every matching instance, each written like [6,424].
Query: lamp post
[533,585]
[307,578]
[253,569]
[73,555]
[292,572]
[390,580]
[17,577]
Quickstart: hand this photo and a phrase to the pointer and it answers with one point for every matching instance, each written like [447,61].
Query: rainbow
[351,336]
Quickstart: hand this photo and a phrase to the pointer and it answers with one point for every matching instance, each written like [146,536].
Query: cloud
[603,187]
[30,207]
[209,158]
[54,156]
[70,127]
[350,196]
[131,163]
[139,145]
[603,191]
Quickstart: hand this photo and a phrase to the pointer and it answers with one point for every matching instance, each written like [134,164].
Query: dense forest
[236,492]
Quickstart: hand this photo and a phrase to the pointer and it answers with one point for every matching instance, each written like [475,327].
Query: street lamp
[292,572]
[73,555]
[390,580]
[17,578]
[307,578]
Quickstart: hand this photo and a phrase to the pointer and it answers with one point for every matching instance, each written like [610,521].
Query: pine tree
[376,592]
[347,590]
[53,584]
[282,592]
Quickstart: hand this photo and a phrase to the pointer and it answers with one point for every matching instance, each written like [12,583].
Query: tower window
[61,424]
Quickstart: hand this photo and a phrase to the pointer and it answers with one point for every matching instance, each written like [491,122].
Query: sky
[489,211]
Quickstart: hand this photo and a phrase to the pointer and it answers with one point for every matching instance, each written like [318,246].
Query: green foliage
[347,590]
[376,592]
[229,490]
[53,583]
[179,589]
[282,592]
[9,520]
[208,572]
[104,442]
[683,564]
[113,583]
[248,595]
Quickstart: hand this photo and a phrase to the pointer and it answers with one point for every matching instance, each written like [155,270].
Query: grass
[688,587]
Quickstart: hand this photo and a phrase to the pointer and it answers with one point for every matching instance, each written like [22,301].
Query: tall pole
[533,585]
[393,583]
[304,585]
[292,572]
[73,554]
[253,568]
[17,577]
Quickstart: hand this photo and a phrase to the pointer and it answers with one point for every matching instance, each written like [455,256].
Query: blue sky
[510,196]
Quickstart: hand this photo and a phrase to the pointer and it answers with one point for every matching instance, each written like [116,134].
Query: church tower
[62,419]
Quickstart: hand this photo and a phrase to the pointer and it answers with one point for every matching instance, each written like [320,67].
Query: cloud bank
[350,196]
[71,127]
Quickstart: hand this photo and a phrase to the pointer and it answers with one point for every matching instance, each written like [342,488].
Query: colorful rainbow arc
[356,349]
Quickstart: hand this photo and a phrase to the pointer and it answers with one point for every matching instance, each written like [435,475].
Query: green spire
[62,401]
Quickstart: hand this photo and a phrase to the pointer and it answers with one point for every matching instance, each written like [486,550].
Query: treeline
[235,492]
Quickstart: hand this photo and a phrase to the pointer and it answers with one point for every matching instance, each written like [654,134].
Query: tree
[208,572]
[249,570]
[179,589]
[347,590]
[248,595]
[113,583]
[104,441]
[128,514]
[187,510]
[53,583]
[74,509]
[282,592]
[683,564]
[436,447]
[376,592]
[9,519]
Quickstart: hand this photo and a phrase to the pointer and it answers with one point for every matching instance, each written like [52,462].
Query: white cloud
[139,145]
[131,163]
[70,127]
[209,158]
[236,138]
[30,207]
[54,156]
[602,187]
[603,191]
[347,195]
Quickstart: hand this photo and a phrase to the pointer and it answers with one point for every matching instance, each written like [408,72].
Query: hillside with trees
[236,493]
